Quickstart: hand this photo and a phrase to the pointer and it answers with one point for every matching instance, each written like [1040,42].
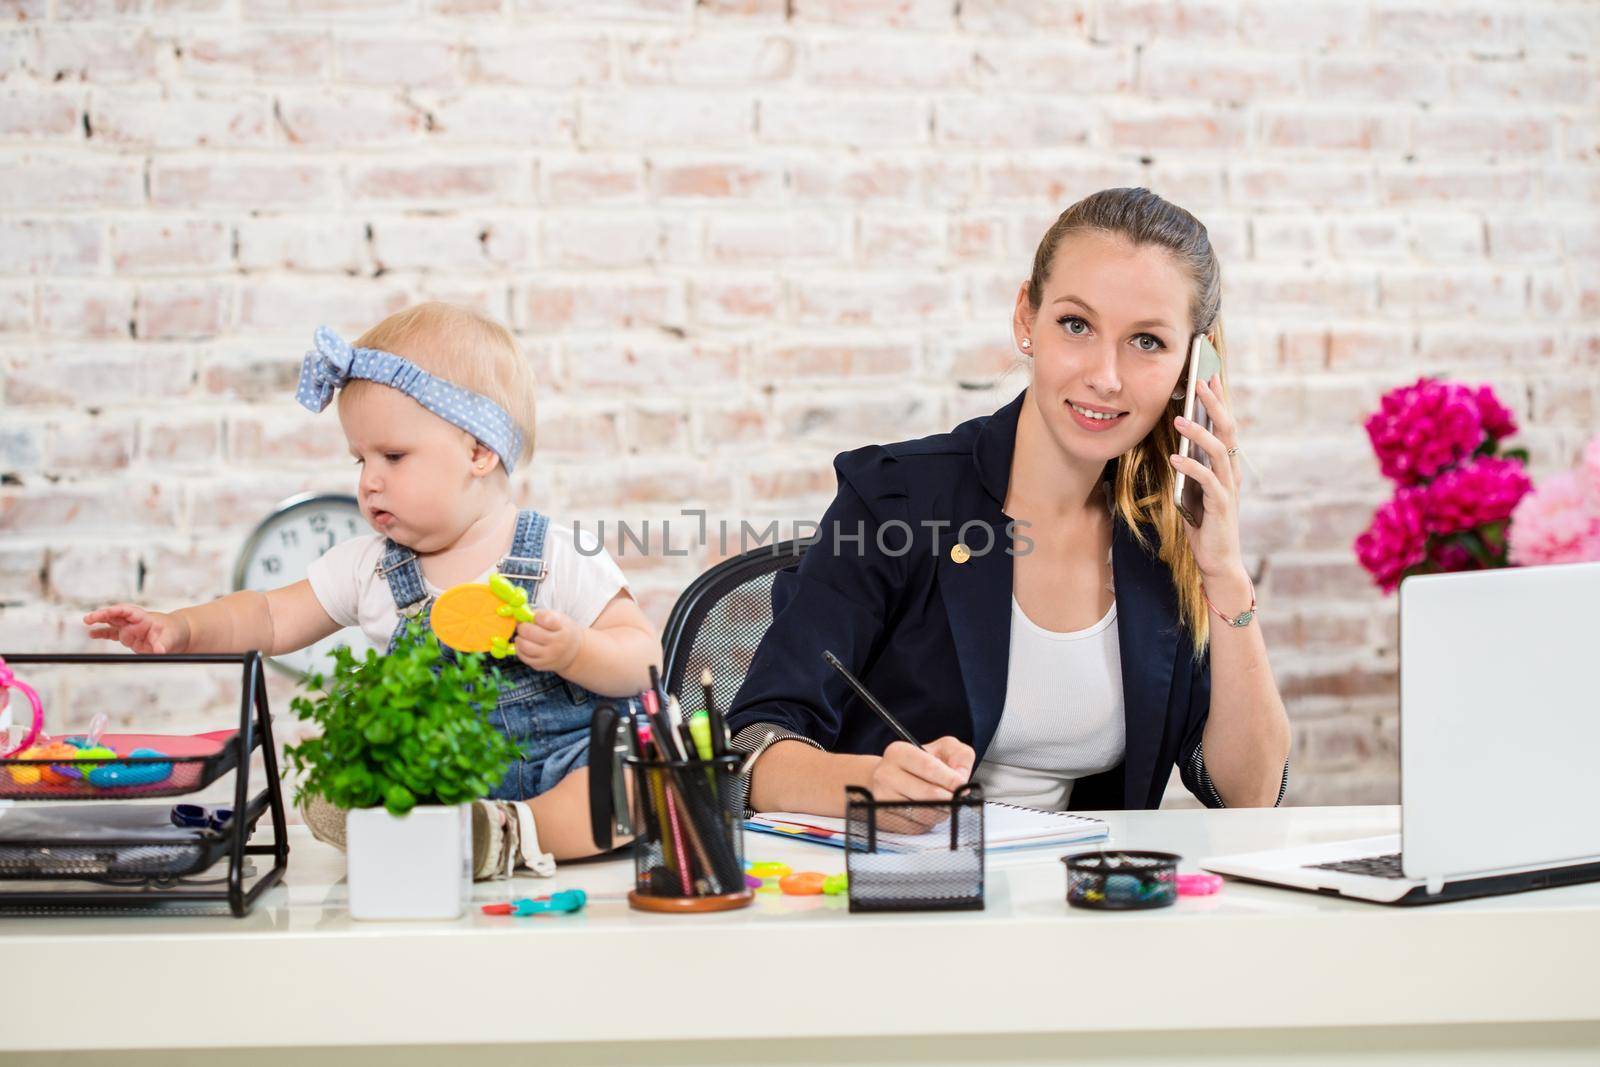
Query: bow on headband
[334,362]
[325,369]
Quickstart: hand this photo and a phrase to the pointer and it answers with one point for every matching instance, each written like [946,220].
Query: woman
[1021,592]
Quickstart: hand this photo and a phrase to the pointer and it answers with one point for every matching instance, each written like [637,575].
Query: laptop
[1499,738]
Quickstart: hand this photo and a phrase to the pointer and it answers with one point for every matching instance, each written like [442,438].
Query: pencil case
[688,845]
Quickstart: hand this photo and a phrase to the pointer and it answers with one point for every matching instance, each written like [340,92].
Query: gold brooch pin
[960,552]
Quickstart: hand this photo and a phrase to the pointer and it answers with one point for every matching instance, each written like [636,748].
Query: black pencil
[871,701]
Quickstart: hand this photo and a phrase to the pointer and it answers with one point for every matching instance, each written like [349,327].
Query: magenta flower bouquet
[1559,522]
[1455,489]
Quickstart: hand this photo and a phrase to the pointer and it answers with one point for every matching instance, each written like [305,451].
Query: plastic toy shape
[479,617]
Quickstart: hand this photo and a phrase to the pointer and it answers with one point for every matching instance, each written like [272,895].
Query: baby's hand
[550,642]
[140,630]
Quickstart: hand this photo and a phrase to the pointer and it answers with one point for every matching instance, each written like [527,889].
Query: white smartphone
[1204,363]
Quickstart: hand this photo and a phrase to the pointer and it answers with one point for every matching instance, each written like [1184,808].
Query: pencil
[871,701]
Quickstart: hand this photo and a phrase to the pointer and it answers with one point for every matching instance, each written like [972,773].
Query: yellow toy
[475,617]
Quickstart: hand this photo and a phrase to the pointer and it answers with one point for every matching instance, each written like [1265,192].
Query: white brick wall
[739,235]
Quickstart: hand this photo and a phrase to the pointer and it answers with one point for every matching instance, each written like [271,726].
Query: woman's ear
[1022,316]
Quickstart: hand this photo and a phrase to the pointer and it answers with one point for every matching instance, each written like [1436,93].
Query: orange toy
[804,884]
[474,617]
[32,775]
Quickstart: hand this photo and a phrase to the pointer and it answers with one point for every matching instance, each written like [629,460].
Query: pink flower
[1418,430]
[1446,556]
[1478,493]
[1498,422]
[1394,541]
[1557,523]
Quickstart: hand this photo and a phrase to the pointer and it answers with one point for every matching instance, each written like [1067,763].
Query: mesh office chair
[718,622]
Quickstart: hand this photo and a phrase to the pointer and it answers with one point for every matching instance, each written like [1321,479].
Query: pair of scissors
[199,817]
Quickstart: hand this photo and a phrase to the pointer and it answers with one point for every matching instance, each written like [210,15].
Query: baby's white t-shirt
[346,582]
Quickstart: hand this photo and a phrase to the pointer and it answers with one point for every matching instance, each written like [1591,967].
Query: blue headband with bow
[334,362]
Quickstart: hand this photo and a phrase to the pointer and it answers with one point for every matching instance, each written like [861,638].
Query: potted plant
[405,747]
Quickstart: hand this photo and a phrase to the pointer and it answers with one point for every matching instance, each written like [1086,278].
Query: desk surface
[299,971]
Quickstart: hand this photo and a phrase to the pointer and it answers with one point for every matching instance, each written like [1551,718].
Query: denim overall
[543,714]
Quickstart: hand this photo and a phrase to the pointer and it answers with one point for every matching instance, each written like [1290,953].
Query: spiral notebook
[1005,827]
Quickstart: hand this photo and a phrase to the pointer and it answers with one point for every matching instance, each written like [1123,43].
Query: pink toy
[8,681]
[1199,884]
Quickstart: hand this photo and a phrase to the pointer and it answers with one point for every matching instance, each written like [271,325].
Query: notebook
[1005,827]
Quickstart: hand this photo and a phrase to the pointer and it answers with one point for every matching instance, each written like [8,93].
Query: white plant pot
[412,866]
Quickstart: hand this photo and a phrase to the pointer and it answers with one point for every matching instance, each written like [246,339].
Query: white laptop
[1499,738]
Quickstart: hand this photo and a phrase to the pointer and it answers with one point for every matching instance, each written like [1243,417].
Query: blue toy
[131,774]
[567,900]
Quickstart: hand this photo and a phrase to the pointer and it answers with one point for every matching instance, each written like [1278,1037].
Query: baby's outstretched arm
[275,622]
[612,657]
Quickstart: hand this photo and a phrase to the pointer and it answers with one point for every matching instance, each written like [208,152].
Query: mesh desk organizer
[106,854]
[891,869]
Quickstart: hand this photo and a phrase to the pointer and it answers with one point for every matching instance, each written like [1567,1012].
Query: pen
[871,701]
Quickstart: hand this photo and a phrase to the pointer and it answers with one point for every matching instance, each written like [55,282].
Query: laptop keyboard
[1372,866]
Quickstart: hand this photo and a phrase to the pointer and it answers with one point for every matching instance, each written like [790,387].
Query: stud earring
[1026,343]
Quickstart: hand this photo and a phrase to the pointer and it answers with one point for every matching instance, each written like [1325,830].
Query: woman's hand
[1215,542]
[140,630]
[933,772]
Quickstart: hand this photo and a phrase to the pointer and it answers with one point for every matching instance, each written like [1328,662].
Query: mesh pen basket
[914,855]
[1122,881]
[688,845]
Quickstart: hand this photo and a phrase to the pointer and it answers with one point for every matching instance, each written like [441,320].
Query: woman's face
[1109,341]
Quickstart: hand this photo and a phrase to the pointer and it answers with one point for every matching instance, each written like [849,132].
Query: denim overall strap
[400,569]
[525,566]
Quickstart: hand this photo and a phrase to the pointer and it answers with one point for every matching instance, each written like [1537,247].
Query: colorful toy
[479,617]
[804,884]
[83,749]
[565,901]
[111,775]
[769,869]
[767,874]
[1199,884]
[49,775]
[836,885]
[9,681]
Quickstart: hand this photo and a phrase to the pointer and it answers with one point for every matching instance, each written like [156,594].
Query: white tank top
[1062,718]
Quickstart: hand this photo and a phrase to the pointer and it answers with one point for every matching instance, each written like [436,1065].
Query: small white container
[412,866]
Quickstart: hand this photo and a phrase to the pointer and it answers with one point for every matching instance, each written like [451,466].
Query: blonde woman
[1022,592]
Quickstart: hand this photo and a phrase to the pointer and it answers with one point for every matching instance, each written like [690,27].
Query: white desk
[1250,975]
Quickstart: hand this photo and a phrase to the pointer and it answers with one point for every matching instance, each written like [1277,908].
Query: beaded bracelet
[1240,620]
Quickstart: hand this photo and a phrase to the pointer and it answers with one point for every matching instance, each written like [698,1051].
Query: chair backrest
[718,622]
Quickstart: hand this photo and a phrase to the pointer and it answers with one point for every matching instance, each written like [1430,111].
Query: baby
[437,406]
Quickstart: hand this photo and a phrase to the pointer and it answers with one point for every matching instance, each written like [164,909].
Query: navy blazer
[931,637]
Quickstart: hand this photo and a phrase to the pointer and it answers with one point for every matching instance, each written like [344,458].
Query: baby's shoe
[504,838]
[326,822]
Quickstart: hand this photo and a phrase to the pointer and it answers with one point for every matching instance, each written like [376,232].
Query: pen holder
[893,867]
[1122,881]
[688,845]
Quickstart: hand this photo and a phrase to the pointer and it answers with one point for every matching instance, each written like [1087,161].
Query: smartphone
[1204,363]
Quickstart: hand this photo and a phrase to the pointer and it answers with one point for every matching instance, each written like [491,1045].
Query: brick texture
[738,235]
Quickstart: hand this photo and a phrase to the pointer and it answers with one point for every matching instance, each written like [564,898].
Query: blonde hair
[466,348]
[1142,484]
